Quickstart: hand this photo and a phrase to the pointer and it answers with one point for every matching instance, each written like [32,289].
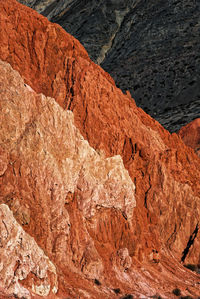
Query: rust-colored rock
[76,203]
[165,172]
[51,177]
[190,135]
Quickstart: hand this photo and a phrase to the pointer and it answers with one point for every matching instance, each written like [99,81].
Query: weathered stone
[190,134]
[123,259]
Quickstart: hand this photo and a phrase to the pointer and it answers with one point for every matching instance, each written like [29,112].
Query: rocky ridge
[48,172]
[165,172]
[87,204]
[150,48]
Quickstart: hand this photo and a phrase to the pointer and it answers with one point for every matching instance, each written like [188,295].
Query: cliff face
[149,47]
[57,187]
[78,202]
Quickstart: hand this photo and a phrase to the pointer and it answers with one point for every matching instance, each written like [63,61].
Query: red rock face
[190,135]
[77,204]
[113,242]
[55,184]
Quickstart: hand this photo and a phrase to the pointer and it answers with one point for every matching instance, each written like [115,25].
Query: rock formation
[190,134]
[47,170]
[77,201]
[149,47]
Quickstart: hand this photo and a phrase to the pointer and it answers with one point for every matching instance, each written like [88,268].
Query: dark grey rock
[150,48]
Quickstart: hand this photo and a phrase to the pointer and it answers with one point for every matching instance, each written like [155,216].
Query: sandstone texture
[73,196]
[150,48]
[190,134]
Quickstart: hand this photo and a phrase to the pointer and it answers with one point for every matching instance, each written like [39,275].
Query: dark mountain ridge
[150,48]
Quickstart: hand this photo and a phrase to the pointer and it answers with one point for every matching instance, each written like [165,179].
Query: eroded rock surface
[190,134]
[47,168]
[22,259]
[157,235]
[149,47]
[77,204]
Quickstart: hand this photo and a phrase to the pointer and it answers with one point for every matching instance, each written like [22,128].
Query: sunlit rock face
[49,131]
[48,167]
[69,188]
[150,48]
[190,134]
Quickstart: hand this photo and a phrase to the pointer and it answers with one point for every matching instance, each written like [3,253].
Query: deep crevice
[146,193]
[190,243]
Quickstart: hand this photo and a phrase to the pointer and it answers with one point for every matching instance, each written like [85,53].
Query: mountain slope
[57,187]
[164,171]
[150,48]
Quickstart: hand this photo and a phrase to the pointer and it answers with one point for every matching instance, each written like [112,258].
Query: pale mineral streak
[20,255]
[50,160]
[41,130]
